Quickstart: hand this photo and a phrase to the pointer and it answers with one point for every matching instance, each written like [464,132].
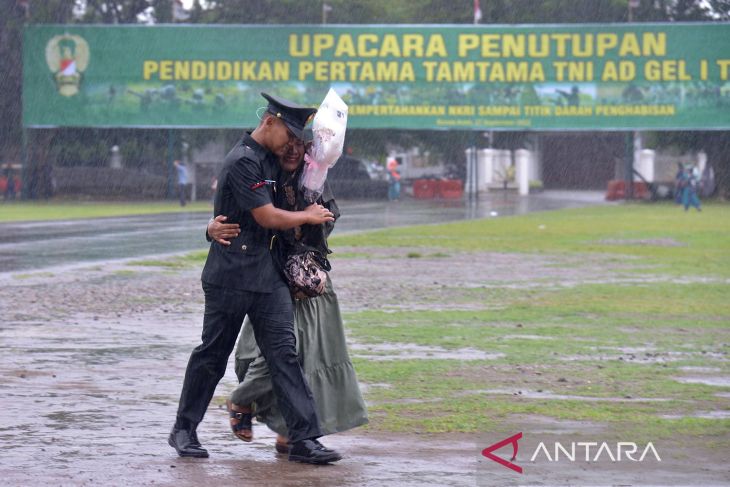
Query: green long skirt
[325,361]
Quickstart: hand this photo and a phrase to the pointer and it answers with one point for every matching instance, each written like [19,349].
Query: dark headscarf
[289,197]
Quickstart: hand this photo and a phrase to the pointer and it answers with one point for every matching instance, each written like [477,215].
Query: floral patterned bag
[306,273]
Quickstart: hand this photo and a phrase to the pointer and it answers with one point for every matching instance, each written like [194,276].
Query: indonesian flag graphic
[68,67]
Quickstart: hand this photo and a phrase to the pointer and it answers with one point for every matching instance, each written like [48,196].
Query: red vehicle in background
[10,183]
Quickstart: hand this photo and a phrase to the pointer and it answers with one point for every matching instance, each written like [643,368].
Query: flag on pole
[477,12]
[325,9]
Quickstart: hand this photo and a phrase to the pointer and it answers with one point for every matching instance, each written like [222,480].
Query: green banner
[536,77]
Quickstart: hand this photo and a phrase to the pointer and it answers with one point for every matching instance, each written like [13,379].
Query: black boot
[185,442]
[312,451]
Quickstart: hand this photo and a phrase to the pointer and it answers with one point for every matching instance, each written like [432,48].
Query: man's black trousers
[273,318]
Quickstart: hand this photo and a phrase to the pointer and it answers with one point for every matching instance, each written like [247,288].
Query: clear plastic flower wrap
[328,128]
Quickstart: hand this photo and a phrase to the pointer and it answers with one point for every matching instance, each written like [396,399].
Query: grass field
[54,210]
[660,235]
[614,352]
[645,351]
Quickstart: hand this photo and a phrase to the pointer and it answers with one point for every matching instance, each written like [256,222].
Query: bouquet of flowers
[328,128]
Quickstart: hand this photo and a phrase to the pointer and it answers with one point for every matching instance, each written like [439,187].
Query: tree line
[148,148]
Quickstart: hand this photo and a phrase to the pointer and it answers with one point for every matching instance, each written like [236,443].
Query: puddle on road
[405,400]
[368,387]
[642,355]
[700,369]
[542,394]
[699,414]
[526,337]
[538,424]
[411,351]
[652,242]
[627,350]
[708,381]
[639,359]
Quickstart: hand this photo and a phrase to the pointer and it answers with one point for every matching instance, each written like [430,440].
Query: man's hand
[318,214]
[223,232]
[268,216]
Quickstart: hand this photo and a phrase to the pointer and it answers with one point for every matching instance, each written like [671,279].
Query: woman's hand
[318,214]
[223,232]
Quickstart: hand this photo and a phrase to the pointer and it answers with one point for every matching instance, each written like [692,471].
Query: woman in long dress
[319,331]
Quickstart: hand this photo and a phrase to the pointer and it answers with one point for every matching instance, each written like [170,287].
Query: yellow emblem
[67,57]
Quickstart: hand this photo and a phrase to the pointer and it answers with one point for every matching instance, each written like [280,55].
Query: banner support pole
[170,163]
[629,177]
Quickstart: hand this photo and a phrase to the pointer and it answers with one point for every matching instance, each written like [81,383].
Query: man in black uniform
[240,279]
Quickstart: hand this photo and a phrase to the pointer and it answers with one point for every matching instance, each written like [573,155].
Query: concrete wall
[494,165]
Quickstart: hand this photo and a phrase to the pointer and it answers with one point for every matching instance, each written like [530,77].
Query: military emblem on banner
[67,57]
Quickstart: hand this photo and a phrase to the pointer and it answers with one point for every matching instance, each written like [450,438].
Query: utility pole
[631,137]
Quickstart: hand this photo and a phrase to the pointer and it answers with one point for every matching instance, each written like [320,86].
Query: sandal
[240,421]
[282,444]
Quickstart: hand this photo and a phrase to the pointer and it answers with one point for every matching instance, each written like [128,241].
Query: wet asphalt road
[39,245]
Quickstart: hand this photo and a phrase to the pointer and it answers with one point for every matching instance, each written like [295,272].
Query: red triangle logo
[487,452]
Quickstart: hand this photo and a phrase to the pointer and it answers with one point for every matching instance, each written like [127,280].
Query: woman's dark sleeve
[328,201]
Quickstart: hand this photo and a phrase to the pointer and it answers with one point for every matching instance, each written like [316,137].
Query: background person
[690,183]
[393,180]
[182,181]
[10,183]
